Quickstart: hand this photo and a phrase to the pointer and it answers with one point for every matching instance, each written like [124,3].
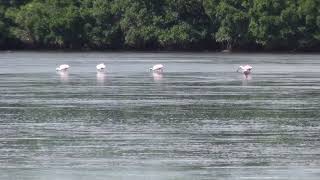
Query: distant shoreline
[159,51]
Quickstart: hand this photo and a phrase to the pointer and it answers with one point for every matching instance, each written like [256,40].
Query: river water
[198,120]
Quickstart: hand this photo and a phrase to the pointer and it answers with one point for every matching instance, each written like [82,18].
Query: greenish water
[198,120]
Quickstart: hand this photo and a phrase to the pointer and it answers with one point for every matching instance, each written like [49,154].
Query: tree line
[160,24]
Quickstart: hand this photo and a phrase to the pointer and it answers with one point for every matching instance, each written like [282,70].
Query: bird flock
[158,68]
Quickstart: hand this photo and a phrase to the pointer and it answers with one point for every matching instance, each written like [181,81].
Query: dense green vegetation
[161,24]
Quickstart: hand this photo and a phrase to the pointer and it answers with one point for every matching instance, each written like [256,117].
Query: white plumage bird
[101,67]
[63,67]
[246,70]
[157,68]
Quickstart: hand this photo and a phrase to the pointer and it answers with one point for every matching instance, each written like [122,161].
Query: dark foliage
[160,24]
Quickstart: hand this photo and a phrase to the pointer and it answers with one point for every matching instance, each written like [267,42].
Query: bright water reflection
[198,120]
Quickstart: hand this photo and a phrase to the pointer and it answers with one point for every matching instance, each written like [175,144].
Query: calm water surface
[198,120]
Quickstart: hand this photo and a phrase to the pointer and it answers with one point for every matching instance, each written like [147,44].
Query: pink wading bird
[101,76]
[157,68]
[101,67]
[62,70]
[63,67]
[246,70]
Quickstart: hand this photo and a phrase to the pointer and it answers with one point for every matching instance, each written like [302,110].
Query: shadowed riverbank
[255,25]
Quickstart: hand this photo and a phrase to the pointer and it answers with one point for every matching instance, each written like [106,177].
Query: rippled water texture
[198,120]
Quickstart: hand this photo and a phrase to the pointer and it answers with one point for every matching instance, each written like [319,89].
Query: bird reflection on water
[101,77]
[64,76]
[157,76]
[246,80]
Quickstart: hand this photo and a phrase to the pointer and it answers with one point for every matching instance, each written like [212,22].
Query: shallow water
[198,120]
